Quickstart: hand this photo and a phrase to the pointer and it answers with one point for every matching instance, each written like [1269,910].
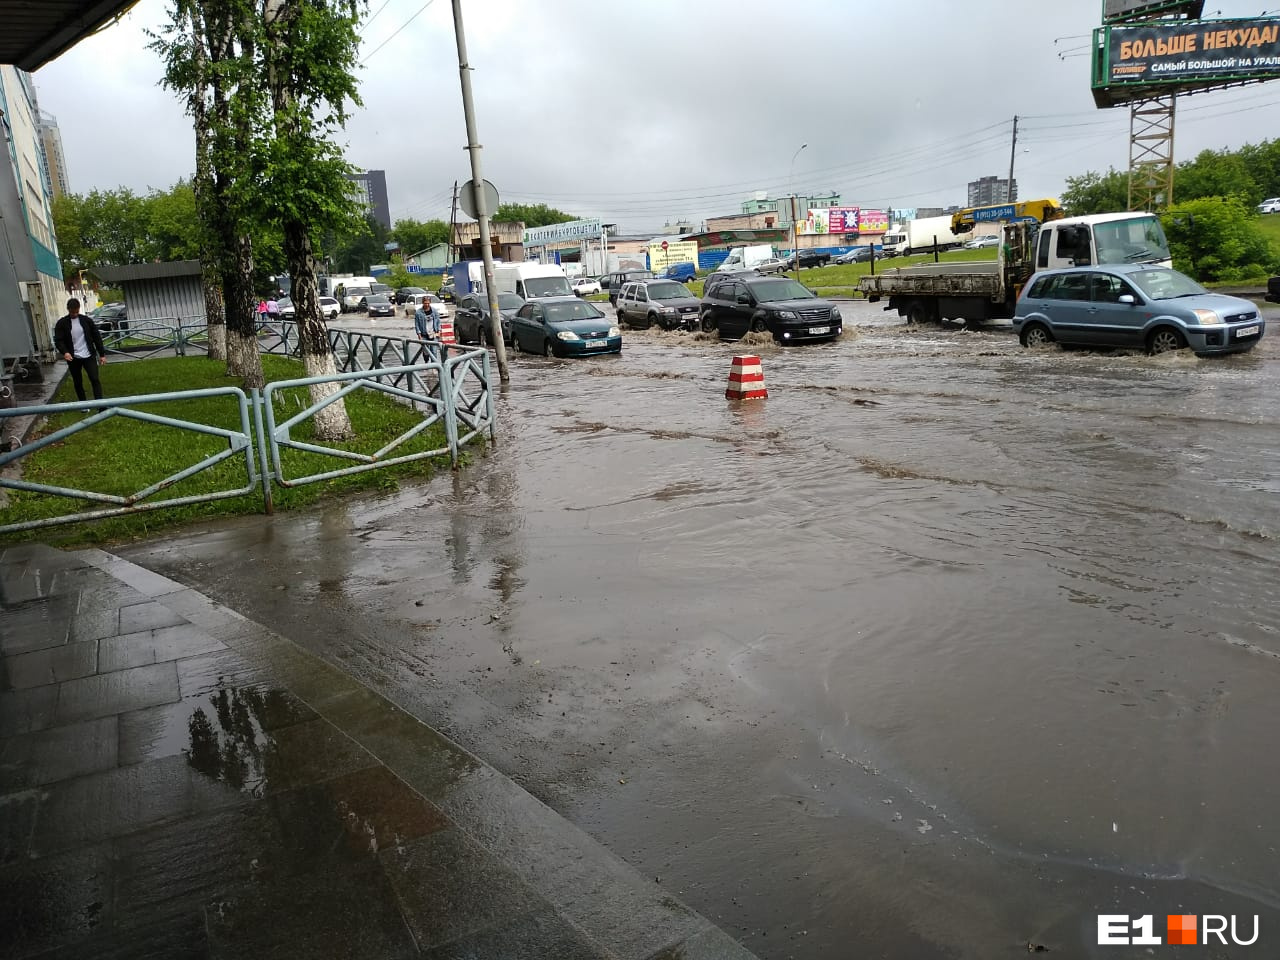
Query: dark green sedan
[564,327]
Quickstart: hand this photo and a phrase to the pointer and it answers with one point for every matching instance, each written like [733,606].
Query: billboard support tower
[1151,152]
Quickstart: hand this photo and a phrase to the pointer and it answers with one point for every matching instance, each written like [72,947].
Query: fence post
[259,428]
[492,412]
[450,413]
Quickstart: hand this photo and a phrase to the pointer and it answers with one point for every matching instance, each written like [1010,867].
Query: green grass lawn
[1269,224]
[122,456]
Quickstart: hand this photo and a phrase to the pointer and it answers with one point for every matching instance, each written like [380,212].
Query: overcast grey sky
[644,113]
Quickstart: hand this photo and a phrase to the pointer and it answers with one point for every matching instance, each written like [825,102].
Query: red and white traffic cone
[746,380]
[446,331]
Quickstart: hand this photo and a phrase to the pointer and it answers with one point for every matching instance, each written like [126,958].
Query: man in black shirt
[78,340]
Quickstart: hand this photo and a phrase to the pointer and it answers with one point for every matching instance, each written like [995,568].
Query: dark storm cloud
[676,109]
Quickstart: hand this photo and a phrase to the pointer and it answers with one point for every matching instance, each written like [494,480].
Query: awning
[36,31]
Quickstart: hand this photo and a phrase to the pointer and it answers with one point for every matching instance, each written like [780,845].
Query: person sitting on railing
[426,323]
[77,339]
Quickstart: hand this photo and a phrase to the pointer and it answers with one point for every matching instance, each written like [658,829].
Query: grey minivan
[1134,305]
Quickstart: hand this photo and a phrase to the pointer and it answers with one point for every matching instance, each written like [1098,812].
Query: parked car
[1270,205]
[856,255]
[778,305]
[111,316]
[683,271]
[564,326]
[719,276]
[662,303]
[379,305]
[981,243]
[771,265]
[405,294]
[808,258]
[1134,305]
[471,321]
[329,308]
[586,285]
[612,282]
[1273,290]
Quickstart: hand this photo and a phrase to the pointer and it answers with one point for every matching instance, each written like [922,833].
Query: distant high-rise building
[988,191]
[371,192]
[53,163]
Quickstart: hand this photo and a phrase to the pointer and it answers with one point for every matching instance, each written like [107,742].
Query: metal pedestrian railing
[239,444]
[455,391]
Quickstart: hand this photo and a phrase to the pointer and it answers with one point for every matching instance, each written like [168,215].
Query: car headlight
[615,332]
[835,313]
[567,335]
[785,314]
[667,309]
[1207,317]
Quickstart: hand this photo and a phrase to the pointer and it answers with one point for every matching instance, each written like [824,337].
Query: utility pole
[1010,196]
[477,179]
[453,222]
[791,188]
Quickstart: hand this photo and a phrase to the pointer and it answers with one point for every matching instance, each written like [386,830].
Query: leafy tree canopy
[414,236]
[1217,238]
[532,214]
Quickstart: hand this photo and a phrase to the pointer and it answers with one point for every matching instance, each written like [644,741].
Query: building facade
[53,161]
[778,210]
[506,238]
[989,191]
[32,293]
[370,191]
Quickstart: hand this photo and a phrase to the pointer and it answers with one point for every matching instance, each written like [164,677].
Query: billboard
[562,232]
[682,251]
[873,221]
[823,220]
[1114,10]
[1164,57]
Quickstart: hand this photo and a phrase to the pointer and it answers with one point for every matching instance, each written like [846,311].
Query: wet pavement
[177,781]
[943,650]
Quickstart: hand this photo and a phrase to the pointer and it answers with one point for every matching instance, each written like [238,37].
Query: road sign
[664,245]
[467,199]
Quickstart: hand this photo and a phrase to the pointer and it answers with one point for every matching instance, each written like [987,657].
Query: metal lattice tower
[1151,152]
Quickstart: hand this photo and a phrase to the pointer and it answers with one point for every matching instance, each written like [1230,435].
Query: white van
[531,281]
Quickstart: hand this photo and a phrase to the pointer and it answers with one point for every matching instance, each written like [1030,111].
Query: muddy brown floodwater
[941,651]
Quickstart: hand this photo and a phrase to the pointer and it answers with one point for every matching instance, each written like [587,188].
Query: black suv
[612,282]
[719,276]
[1273,290]
[779,305]
[111,316]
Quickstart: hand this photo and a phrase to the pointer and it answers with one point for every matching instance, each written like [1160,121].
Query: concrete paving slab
[349,914]
[22,711]
[183,938]
[171,729]
[154,646]
[59,753]
[540,934]
[36,625]
[67,661]
[117,692]
[448,887]
[218,670]
[54,901]
[17,824]
[147,615]
[118,802]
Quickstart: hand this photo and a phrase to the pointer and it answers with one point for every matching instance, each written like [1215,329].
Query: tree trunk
[331,423]
[202,185]
[243,359]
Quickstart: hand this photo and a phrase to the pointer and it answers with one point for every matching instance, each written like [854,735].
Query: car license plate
[597,343]
[814,331]
[1246,331]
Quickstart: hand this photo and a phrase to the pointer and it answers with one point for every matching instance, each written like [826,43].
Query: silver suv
[662,303]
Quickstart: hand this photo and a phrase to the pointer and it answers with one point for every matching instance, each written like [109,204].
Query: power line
[397,31]
[375,14]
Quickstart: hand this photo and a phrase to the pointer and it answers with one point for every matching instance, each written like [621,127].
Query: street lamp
[791,189]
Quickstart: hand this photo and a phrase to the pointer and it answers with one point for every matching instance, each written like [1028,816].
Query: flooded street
[941,651]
